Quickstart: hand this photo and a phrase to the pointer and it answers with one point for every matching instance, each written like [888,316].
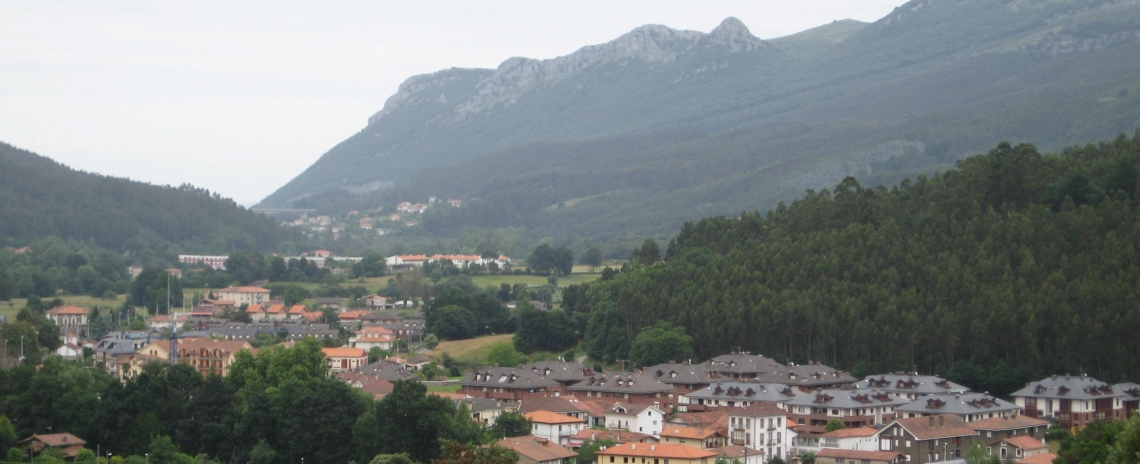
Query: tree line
[1010,267]
[277,406]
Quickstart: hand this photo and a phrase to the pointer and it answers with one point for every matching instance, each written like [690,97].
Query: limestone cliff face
[650,45]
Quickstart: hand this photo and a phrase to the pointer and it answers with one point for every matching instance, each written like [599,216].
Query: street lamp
[146,458]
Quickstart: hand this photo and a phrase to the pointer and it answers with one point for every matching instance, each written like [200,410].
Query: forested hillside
[40,198]
[660,126]
[1013,265]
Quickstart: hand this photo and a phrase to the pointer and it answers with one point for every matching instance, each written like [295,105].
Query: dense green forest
[1012,266]
[276,407]
[41,198]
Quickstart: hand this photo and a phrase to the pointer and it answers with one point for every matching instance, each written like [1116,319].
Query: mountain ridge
[909,93]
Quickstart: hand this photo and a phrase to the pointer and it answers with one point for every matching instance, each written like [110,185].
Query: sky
[240,97]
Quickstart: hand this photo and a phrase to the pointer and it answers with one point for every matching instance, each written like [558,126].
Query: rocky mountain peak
[735,35]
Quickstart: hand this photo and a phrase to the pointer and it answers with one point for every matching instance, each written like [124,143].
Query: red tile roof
[665,451]
[617,436]
[1007,423]
[547,417]
[537,449]
[344,352]
[940,426]
[1025,442]
[887,456]
[688,432]
[1043,458]
[68,310]
[848,433]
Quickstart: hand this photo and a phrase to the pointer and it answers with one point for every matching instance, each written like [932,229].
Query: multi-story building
[1131,398]
[117,347]
[640,418]
[854,408]
[627,387]
[1073,401]
[739,394]
[216,262]
[643,453]
[565,373]
[762,426]
[967,406]
[924,440]
[910,385]
[1008,427]
[345,359]
[557,428]
[205,355]
[508,383]
[685,377]
[699,437]
[743,366]
[808,377]
[68,318]
[535,450]
[244,295]
[862,438]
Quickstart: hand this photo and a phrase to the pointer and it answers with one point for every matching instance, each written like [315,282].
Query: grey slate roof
[1068,387]
[621,382]
[687,374]
[847,399]
[962,404]
[748,391]
[807,375]
[1130,390]
[387,371]
[744,364]
[485,404]
[507,377]
[910,383]
[562,372]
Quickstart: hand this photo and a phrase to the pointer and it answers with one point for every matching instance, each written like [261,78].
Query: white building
[557,428]
[640,418]
[244,295]
[761,426]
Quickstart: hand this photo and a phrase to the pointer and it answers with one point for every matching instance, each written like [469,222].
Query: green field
[496,280]
[471,350]
[444,388]
[77,300]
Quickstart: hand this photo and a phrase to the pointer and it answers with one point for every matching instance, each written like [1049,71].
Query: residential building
[740,394]
[1007,427]
[565,373]
[643,453]
[244,295]
[1019,447]
[743,366]
[699,437]
[623,386]
[807,377]
[330,303]
[344,359]
[743,454]
[68,317]
[216,306]
[535,450]
[716,419]
[1073,401]
[380,318]
[641,418]
[508,383]
[378,387]
[854,408]
[967,406]
[486,411]
[617,436]
[555,427]
[372,337]
[117,347]
[375,301]
[685,378]
[392,372]
[216,262]
[566,405]
[861,438]
[405,260]
[1131,398]
[928,439]
[205,355]
[761,426]
[910,385]
[846,456]
[1043,458]
[66,443]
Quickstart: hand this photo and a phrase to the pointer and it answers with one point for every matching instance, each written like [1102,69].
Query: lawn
[496,280]
[470,350]
[77,300]
[444,388]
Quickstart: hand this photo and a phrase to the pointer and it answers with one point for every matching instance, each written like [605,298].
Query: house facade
[627,387]
[1073,401]
[762,426]
[505,383]
[345,359]
[923,440]
[967,406]
[640,418]
[855,408]
[557,428]
[244,295]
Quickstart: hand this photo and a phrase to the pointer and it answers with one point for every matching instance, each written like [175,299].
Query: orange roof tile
[1043,458]
[848,433]
[344,352]
[887,456]
[253,309]
[688,432]
[298,309]
[244,290]
[547,417]
[68,310]
[537,449]
[1007,423]
[1025,442]
[275,309]
[667,451]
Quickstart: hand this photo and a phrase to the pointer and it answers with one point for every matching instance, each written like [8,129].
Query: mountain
[660,125]
[40,197]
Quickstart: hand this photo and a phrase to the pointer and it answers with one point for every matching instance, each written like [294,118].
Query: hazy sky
[241,96]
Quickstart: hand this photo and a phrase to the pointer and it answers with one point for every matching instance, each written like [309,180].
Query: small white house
[640,418]
[558,428]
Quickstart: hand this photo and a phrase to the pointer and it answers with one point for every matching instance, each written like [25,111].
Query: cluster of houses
[752,408]
[460,261]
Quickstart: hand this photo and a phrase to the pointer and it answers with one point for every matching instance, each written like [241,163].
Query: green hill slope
[1011,266]
[39,198]
[661,126]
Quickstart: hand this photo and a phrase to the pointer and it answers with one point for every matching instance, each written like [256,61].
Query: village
[382,219]
[736,407]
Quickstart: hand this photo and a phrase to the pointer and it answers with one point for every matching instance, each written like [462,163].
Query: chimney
[931,421]
[941,421]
